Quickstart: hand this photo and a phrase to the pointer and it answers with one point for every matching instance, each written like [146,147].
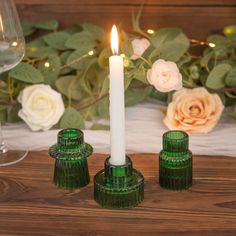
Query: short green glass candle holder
[175,161]
[119,187]
[71,166]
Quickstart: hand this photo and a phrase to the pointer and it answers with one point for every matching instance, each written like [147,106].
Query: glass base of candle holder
[71,153]
[118,187]
[175,161]
[175,177]
[71,174]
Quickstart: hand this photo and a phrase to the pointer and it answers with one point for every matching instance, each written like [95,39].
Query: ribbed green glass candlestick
[118,187]
[71,167]
[175,161]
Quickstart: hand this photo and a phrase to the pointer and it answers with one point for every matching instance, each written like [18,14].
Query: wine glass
[12,49]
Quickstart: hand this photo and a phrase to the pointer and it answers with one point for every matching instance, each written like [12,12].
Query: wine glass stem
[3,149]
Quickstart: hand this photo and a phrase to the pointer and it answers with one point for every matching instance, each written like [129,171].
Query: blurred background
[197,18]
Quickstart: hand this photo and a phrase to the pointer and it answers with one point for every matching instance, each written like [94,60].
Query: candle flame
[114,40]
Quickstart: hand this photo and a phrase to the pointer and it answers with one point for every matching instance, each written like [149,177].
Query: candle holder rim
[63,131]
[168,138]
[56,153]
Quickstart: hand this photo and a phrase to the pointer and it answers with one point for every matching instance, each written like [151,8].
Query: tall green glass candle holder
[70,153]
[175,161]
[119,187]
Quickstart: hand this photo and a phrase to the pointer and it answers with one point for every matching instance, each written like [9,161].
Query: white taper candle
[117,104]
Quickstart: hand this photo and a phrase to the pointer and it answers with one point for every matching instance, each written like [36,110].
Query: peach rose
[164,76]
[139,47]
[194,111]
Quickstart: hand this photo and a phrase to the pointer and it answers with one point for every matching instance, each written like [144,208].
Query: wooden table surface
[30,204]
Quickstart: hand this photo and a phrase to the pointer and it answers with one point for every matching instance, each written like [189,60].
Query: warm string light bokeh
[193,42]
[115,46]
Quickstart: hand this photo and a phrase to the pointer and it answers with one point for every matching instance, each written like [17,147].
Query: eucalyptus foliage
[74,61]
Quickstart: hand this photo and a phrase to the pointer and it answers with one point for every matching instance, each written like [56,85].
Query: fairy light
[47,64]
[122,55]
[195,42]
[90,53]
[212,45]
[14,44]
[150,31]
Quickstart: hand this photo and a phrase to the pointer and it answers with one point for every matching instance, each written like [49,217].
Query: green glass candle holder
[70,153]
[119,187]
[175,161]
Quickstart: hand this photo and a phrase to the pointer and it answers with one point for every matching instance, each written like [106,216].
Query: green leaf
[78,59]
[184,60]
[57,40]
[83,41]
[135,96]
[206,58]
[103,108]
[136,22]
[70,86]
[4,97]
[231,95]
[38,42]
[73,29]
[47,25]
[97,32]
[230,79]
[159,96]
[3,114]
[127,82]
[26,73]
[27,28]
[141,76]
[4,76]
[41,52]
[127,48]
[103,59]
[220,41]
[64,56]
[98,126]
[216,78]
[229,101]
[72,119]
[12,115]
[52,72]
[222,97]
[105,87]
[171,43]
[88,75]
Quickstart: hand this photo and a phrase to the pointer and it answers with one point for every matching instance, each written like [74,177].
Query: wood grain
[133,2]
[31,205]
[198,18]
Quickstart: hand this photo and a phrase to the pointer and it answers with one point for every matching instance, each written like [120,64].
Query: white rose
[139,47]
[165,76]
[42,107]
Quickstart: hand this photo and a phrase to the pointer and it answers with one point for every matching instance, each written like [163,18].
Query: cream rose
[139,47]
[164,76]
[42,107]
[194,111]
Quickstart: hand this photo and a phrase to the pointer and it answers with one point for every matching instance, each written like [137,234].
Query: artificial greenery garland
[74,62]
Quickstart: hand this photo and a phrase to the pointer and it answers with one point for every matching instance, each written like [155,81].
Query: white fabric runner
[144,129]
